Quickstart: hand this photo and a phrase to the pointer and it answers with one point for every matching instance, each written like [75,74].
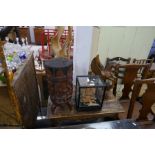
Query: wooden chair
[120,72]
[148,98]
[131,73]
[119,60]
[143,62]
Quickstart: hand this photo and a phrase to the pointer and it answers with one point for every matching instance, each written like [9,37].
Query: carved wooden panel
[12,103]
[26,90]
[105,74]
[59,72]
[98,69]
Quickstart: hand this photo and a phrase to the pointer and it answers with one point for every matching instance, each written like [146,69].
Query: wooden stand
[109,108]
[59,73]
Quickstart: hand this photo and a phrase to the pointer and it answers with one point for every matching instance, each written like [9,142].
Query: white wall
[32,34]
[82,50]
[134,42]
[95,41]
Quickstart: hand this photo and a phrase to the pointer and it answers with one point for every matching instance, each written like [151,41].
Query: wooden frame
[12,95]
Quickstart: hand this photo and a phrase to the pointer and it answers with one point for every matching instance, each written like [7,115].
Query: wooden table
[110,108]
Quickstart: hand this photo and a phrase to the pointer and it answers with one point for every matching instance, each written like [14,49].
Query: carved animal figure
[105,74]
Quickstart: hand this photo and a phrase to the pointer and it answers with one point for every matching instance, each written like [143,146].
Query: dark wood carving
[105,74]
[98,69]
[59,72]
[26,89]
[148,98]
[131,73]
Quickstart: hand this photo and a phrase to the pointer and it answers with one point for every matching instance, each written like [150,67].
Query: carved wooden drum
[59,72]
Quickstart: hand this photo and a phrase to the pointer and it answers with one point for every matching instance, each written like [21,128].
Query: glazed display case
[89,93]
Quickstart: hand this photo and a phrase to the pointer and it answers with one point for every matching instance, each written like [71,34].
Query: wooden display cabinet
[37,34]
[25,32]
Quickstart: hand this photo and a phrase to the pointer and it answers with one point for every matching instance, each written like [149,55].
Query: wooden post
[12,95]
